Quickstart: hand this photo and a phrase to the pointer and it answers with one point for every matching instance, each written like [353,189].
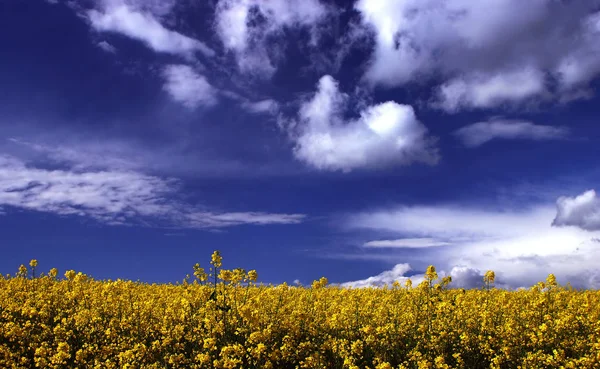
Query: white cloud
[462,277]
[125,18]
[232,25]
[106,47]
[489,53]
[385,278]
[96,194]
[481,132]
[383,135]
[188,87]
[248,27]
[465,277]
[114,197]
[199,219]
[581,211]
[521,246]
[263,106]
[452,222]
[409,243]
[486,90]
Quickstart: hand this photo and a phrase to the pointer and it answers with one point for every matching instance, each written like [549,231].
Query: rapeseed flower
[216,259]
[252,275]
[85,323]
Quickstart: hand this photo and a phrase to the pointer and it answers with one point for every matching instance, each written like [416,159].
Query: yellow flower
[33,263]
[70,274]
[203,358]
[216,259]
[225,275]
[253,275]
[357,348]
[489,277]
[125,324]
[323,281]
[200,273]
[446,280]
[431,274]
[53,273]
[22,271]
[551,280]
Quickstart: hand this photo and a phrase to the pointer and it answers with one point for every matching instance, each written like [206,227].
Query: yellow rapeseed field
[221,318]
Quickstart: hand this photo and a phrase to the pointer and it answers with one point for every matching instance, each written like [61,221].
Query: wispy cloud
[92,150]
[188,87]
[452,222]
[262,106]
[409,243]
[122,17]
[486,90]
[73,151]
[253,105]
[481,132]
[115,197]
[385,134]
[107,47]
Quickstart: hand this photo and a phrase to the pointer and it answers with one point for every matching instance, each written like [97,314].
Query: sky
[357,140]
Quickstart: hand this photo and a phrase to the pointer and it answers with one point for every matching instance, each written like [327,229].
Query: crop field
[219,318]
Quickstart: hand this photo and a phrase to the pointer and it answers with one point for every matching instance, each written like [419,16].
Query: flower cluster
[222,319]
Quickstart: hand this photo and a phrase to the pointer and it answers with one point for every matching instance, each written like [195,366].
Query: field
[222,318]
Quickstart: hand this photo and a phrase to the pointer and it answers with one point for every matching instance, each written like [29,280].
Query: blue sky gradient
[356,140]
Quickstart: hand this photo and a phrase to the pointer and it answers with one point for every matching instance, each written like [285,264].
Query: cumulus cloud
[488,53]
[188,87]
[522,246]
[131,20]
[397,273]
[581,211]
[248,27]
[481,132]
[385,134]
[114,197]
[408,243]
[462,277]
[465,277]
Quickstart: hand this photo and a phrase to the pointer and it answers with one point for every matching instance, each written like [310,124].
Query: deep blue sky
[347,139]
